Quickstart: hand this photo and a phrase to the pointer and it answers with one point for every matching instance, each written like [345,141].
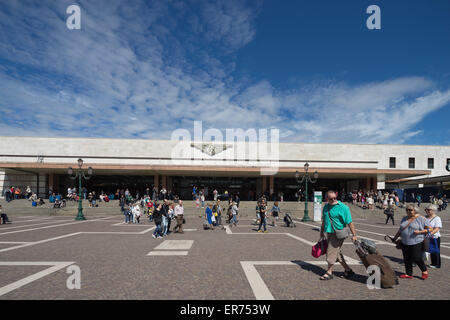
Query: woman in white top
[436,223]
[136,213]
[370,202]
[385,202]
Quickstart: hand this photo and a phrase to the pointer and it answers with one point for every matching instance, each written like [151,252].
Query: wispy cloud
[145,69]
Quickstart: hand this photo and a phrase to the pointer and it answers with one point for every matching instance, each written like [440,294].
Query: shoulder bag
[340,234]
[398,242]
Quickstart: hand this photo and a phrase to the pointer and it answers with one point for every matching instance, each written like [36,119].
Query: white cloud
[134,71]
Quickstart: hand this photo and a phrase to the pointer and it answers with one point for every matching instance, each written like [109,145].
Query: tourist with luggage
[435,223]
[413,229]
[335,217]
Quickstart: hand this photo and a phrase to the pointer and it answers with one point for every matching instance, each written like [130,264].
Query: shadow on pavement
[320,271]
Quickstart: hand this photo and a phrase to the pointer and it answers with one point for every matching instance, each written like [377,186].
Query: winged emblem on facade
[210,148]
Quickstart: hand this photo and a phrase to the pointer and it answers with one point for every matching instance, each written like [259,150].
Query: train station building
[136,164]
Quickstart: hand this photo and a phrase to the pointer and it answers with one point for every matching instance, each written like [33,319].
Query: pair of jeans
[164,225]
[262,223]
[413,254]
[219,220]
[158,230]
[127,216]
[233,219]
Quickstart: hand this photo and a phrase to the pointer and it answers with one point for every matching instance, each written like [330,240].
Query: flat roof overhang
[426,180]
[211,170]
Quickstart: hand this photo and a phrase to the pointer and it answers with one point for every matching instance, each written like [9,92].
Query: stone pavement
[119,261]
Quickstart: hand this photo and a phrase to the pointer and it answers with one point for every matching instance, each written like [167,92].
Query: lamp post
[305,178]
[78,174]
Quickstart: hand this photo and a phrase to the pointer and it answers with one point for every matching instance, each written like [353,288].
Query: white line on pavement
[175,245]
[259,288]
[167,253]
[38,242]
[40,219]
[20,283]
[70,235]
[32,225]
[54,226]
[305,241]
[12,242]
[371,225]
[147,230]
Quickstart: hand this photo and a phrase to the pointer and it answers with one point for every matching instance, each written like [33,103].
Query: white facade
[22,158]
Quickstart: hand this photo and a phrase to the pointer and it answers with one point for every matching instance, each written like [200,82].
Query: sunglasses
[409,210]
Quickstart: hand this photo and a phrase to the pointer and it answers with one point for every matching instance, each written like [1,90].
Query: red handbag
[320,248]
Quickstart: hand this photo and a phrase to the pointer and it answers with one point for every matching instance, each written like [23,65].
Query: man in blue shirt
[335,216]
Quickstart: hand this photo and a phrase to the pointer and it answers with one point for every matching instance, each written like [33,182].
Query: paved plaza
[119,261]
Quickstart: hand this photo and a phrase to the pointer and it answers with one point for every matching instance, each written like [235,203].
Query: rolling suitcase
[366,251]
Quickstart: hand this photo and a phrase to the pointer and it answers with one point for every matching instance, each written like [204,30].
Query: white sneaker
[159,237]
[153,236]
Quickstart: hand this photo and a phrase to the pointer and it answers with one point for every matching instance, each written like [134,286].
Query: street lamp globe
[70,171]
[315,175]
[80,163]
[297,174]
[89,171]
[306,166]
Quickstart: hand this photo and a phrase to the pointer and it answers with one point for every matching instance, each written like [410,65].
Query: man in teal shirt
[335,216]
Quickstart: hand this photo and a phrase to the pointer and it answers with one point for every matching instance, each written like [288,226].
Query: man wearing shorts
[335,216]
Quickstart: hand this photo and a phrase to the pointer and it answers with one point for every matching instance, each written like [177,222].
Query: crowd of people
[15,193]
[162,213]
[414,235]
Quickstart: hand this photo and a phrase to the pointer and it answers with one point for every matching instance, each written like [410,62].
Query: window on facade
[430,163]
[412,163]
[392,162]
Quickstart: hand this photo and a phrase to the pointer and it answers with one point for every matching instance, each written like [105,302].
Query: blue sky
[141,69]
